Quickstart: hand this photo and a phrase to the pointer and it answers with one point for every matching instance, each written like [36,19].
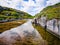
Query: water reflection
[21,33]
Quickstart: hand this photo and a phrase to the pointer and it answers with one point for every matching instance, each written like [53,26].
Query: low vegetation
[8,25]
[8,17]
[13,14]
[50,39]
[50,11]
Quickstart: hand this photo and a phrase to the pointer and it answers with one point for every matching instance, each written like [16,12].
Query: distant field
[50,39]
[8,25]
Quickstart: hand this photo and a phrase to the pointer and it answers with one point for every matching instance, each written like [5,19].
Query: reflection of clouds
[25,24]
[27,33]
[17,34]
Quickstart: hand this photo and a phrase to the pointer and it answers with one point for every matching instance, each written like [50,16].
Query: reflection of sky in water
[26,28]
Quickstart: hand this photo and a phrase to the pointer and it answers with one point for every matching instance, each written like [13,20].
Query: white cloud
[28,6]
[9,3]
[52,2]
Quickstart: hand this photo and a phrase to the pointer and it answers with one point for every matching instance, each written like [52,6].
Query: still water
[20,33]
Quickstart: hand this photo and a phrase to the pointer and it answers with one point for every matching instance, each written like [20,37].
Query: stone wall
[52,25]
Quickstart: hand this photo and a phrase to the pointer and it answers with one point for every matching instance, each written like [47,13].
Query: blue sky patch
[30,6]
[34,1]
[25,0]
[19,6]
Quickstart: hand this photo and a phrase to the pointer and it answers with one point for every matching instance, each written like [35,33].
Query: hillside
[50,11]
[12,14]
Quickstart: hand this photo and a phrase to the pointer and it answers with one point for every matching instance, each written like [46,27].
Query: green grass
[10,13]
[8,25]
[51,12]
[51,39]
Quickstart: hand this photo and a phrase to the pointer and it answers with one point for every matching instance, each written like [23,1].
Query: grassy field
[8,25]
[50,39]
[51,12]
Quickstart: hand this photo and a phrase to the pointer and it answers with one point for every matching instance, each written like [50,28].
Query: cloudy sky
[30,6]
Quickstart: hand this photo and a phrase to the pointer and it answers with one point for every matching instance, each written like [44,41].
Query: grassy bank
[51,39]
[8,25]
[51,12]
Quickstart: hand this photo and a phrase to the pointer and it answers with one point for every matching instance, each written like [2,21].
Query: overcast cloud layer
[30,6]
